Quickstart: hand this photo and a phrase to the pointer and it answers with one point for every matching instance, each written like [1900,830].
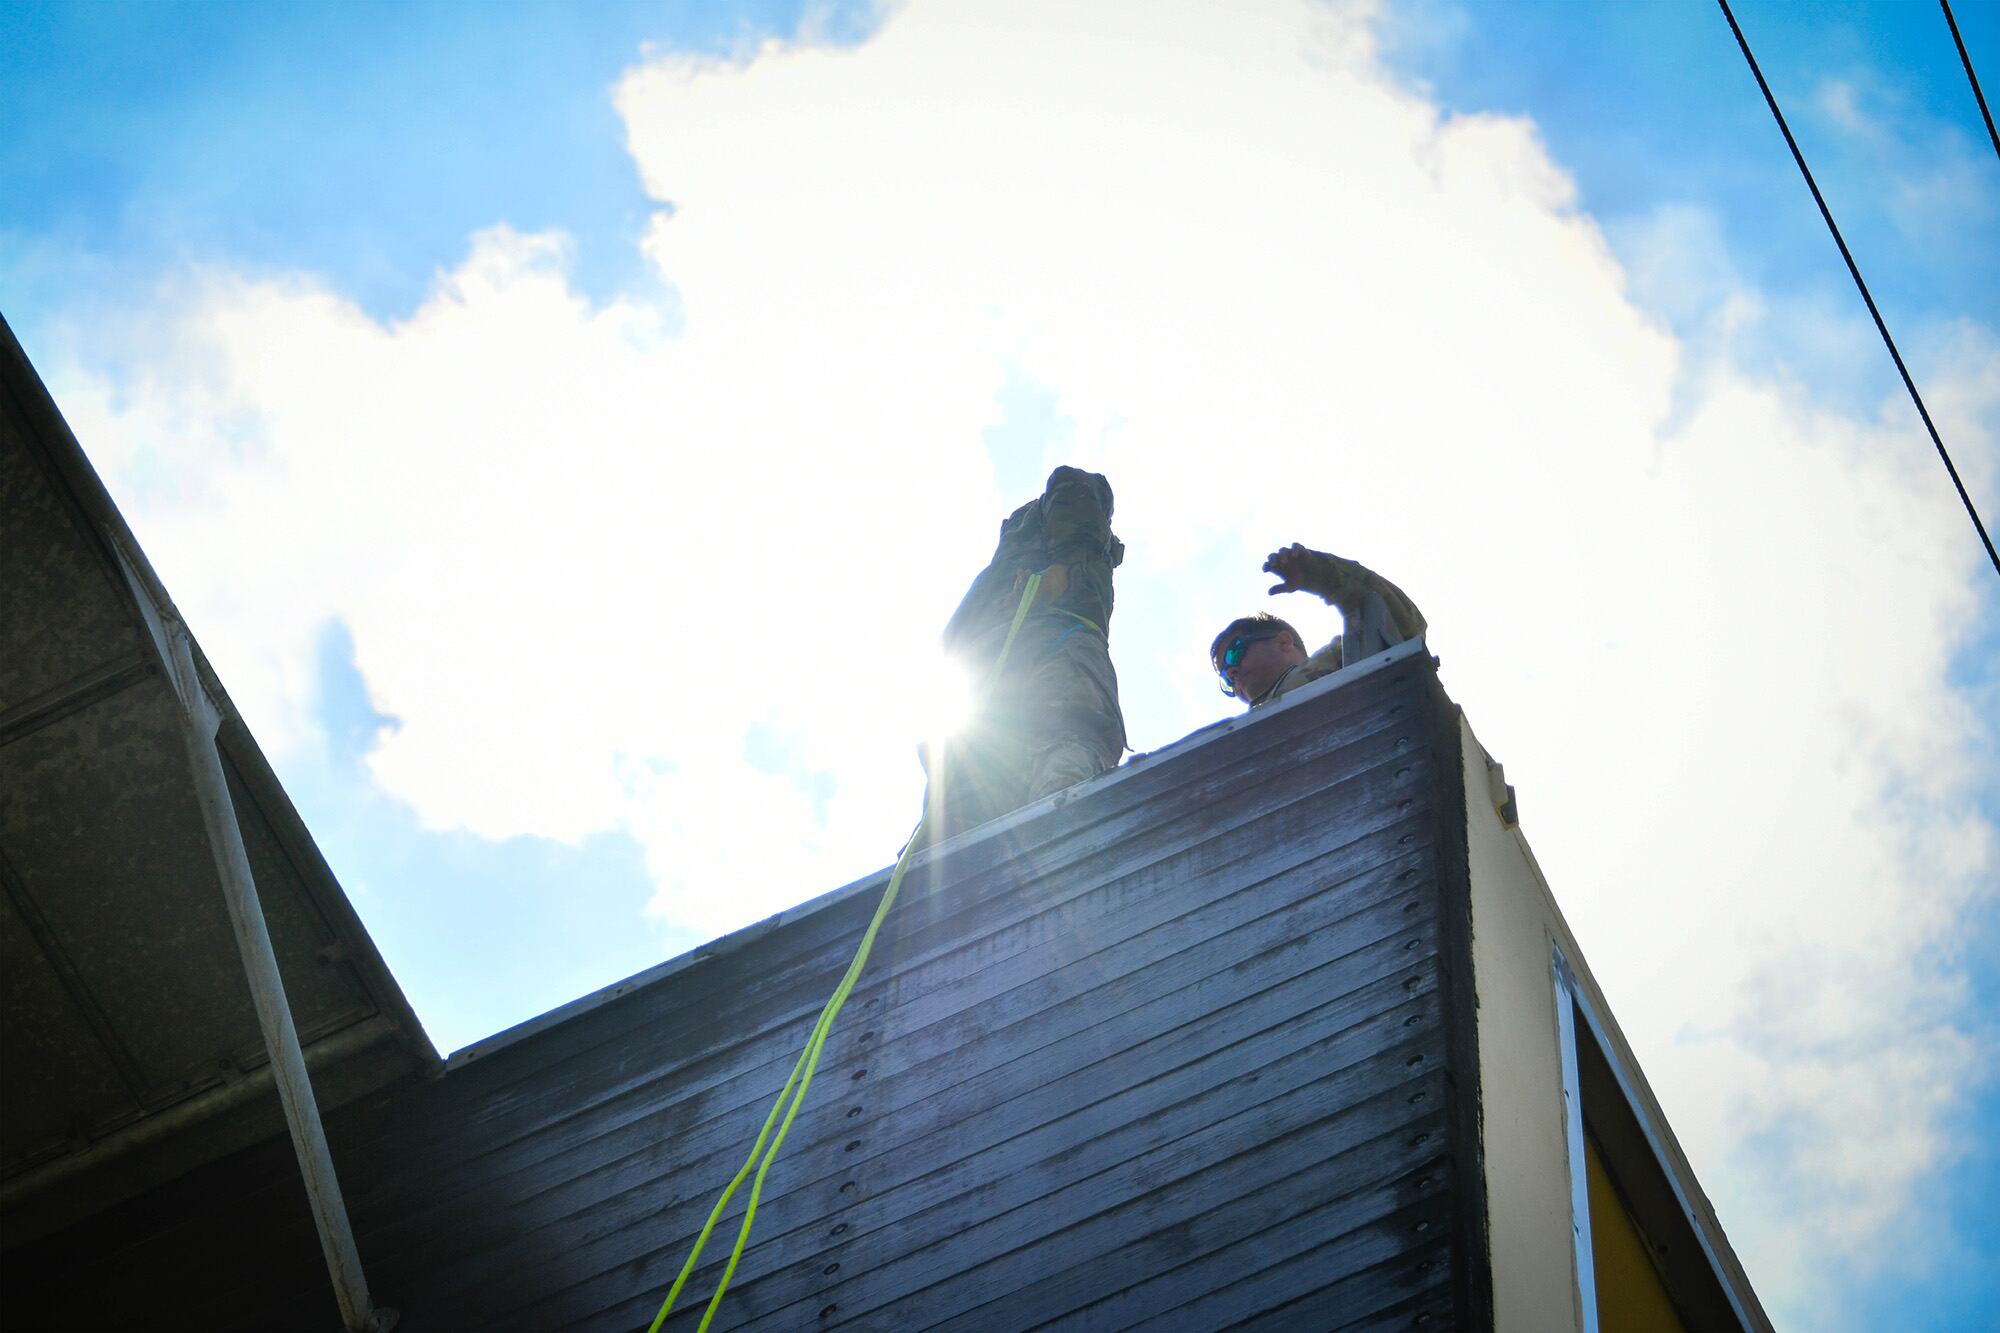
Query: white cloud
[1840,102]
[1930,175]
[1703,617]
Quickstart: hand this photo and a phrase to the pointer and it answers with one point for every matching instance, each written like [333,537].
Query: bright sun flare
[947,697]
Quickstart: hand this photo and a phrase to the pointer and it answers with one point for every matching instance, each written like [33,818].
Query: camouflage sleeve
[1343,583]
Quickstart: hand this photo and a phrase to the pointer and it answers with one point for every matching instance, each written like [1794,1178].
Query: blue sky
[330,178]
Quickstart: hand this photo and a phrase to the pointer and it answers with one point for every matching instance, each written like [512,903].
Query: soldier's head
[1252,652]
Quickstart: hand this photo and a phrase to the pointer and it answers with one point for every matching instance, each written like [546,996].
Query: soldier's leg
[985,774]
[1079,729]
[1063,764]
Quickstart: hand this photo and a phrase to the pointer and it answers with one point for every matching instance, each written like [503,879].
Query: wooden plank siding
[1185,1050]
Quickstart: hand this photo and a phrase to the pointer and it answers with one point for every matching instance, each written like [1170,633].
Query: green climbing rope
[793,1094]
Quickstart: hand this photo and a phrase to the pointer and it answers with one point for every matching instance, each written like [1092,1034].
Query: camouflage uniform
[1051,718]
[1346,585]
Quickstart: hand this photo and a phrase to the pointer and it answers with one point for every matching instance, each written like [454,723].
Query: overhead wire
[1854,271]
[1965,59]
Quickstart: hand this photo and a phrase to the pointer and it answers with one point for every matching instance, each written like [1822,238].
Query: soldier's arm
[1343,584]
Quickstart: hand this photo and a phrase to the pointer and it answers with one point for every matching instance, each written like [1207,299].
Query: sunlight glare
[947,697]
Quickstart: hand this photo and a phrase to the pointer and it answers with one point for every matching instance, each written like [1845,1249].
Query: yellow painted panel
[1630,1298]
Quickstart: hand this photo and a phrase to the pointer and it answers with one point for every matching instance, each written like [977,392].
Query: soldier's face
[1264,660]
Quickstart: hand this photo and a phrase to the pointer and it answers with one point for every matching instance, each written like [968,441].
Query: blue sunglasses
[1232,657]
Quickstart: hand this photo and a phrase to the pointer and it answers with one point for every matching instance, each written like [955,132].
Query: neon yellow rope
[808,1060]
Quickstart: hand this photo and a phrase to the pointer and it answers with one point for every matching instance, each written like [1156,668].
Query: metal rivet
[1423,1226]
[1414,1061]
[826,1312]
[860,1074]
[1413,1020]
[852,1146]
[1409,945]
[848,1186]
[1410,983]
[830,1269]
[838,1227]
[1420,1140]
[853,1111]
[1418,1096]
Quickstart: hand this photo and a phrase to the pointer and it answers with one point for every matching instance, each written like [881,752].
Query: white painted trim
[1567,1005]
[1571,1001]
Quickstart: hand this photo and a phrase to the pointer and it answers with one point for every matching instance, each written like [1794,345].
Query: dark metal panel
[167,1145]
[118,951]
[100,826]
[99,822]
[321,989]
[61,616]
[57,1081]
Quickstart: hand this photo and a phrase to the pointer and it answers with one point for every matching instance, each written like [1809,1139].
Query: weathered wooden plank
[1254,1252]
[1228,929]
[1132,1113]
[793,984]
[731,1165]
[972,871]
[1407,1287]
[973,1259]
[975,996]
[1011,1101]
[499,1220]
[1219,947]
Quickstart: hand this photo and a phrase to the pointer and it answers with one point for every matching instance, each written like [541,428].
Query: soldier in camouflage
[1261,658]
[1051,718]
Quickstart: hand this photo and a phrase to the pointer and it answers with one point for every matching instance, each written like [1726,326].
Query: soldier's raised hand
[1306,570]
[1299,567]
[1294,565]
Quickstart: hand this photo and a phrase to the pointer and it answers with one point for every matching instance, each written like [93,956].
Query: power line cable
[1966,60]
[1855,271]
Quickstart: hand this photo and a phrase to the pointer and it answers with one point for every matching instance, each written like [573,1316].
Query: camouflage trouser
[1050,718]
[1051,722]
